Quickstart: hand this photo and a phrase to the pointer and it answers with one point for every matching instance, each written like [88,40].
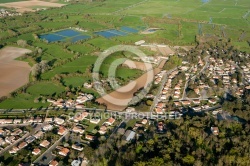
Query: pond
[64,35]
[130,30]
[51,37]
[67,33]
[111,33]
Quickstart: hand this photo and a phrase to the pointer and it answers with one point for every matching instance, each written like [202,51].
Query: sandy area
[165,50]
[135,65]
[123,95]
[13,73]
[23,6]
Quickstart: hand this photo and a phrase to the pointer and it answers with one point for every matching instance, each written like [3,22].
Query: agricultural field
[71,53]
[28,5]
[14,74]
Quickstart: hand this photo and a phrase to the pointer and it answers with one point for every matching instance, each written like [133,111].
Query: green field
[181,22]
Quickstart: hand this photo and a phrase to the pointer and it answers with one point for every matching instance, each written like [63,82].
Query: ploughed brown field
[13,73]
[119,99]
[23,6]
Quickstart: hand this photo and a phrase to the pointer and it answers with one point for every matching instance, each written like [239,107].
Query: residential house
[2,132]
[16,132]
[59,121]
[186,102]
[81,116]
[110,121]
[196,109]
[62,130]
[16,121]
[36,151]
[103,129]
[47,127]
[177,103]
[129,135]
[144,121]
[64,151]
[130,109]
[215,130]
[45,143]
[78,129]
[53,163]
[212,101]
[38,135]
[2,142]
[30,139]
[48,120]
[159,110]
[8,121]
[22,145]
[77,147]
[95,120]
[90,137]
[160,126]
[10,139]
[196,101]
[76,163]
[14,150]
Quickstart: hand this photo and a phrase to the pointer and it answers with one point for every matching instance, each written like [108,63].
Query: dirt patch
[24,6]
[14,74]
[165,50]
[135,65]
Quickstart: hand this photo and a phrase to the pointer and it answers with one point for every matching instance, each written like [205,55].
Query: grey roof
[129,135]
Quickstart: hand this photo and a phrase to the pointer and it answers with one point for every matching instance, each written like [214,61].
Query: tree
[188,160]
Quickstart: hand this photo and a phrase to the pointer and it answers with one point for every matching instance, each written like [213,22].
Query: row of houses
[78,103]
[160,106]
[5,13]
[246,72]
[10,136]
[18,121]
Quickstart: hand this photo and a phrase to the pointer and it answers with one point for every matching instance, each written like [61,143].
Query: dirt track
[13,73]
[23,6]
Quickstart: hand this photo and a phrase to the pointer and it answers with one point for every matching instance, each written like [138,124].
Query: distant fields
[178,19]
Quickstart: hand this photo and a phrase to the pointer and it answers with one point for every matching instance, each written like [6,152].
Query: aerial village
[48,140]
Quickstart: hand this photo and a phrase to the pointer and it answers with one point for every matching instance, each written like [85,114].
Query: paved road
[163,82]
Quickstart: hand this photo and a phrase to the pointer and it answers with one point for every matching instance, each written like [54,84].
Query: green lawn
[76,81]
[22,101]
[44,88]
[80,64]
